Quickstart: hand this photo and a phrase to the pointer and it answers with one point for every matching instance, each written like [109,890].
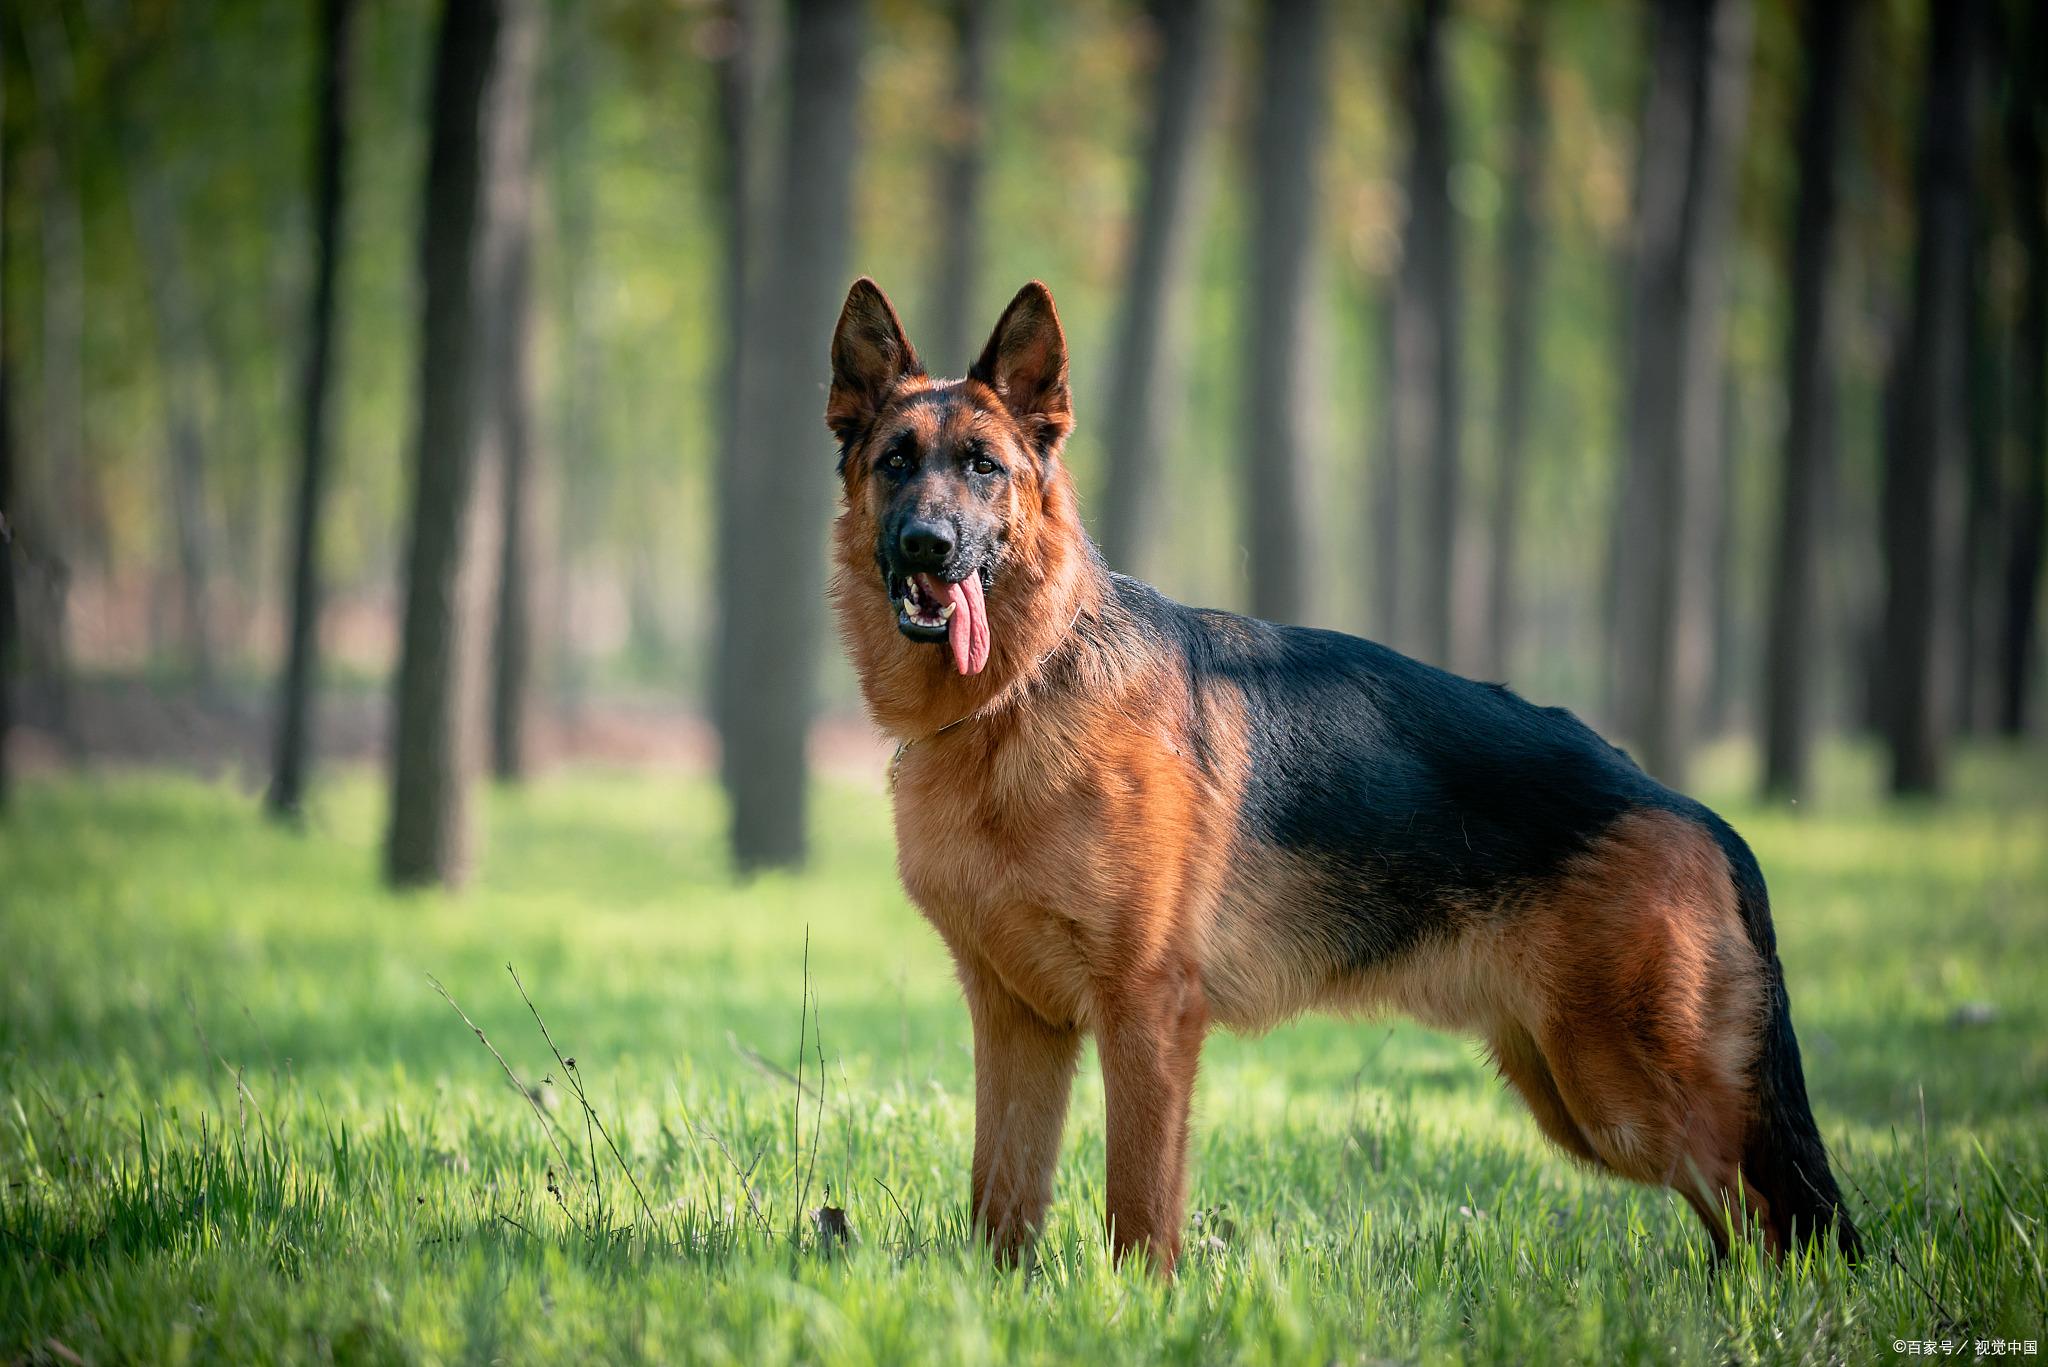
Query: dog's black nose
[925,545]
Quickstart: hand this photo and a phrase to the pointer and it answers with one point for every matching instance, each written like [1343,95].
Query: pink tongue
[967,628]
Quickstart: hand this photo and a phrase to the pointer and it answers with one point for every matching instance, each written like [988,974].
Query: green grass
[237,1122]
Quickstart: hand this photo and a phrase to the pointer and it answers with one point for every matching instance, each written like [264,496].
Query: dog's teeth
[909,608]
[946,612]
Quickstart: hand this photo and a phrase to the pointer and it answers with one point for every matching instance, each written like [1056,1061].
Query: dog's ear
[1025,363]
[870,355]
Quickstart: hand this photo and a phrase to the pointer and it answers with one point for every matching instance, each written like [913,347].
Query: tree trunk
[1923,455]
[1985,421]
[1977,575]
[1138,415]
[330,190]
[507,391]
[1719,705]
[1651,360]
[778,614]
[1808,471]
[1287,132]
[432,749]
[2027,509]
[182,349]
[1427,335]
[9,633]
[1691,126]
[737,191]
[47,510]
[1521,261]
[962,169]
[1385,523]
[578,356]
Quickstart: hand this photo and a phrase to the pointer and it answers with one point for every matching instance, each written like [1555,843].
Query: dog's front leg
[1023,1074]
[1150,1039]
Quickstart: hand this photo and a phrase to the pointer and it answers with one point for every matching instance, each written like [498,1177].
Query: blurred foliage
[226,89]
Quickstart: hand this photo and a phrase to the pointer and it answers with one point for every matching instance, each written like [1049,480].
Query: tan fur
[1623,1001]
[1652,1008]
[1088,871]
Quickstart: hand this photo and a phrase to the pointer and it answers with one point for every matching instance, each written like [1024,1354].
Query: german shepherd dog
[1134,819]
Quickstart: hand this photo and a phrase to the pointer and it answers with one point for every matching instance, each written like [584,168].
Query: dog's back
[1410,837]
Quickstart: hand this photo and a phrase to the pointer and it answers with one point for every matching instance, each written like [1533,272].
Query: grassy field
[237,1120]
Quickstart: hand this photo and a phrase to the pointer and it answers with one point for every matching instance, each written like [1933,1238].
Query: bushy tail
[1784,1159]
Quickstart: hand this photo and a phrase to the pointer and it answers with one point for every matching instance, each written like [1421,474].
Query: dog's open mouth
[931,610]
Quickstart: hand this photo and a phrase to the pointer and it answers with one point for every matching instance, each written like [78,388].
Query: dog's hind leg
[1706,1189]
[1023,1075]
[1521,1063]
[1658,1112]
[1649,1012]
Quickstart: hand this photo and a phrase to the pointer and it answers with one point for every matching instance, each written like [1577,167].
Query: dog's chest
[1003,878]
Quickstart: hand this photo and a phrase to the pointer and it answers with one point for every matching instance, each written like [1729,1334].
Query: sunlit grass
[237,1121]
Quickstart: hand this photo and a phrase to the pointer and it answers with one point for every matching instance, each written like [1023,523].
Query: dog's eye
[895,462]
[982,465]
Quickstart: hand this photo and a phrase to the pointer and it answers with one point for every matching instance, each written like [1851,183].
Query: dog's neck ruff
[1013,693]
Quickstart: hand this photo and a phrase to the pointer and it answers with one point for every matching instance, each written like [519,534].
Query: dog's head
[946,479]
